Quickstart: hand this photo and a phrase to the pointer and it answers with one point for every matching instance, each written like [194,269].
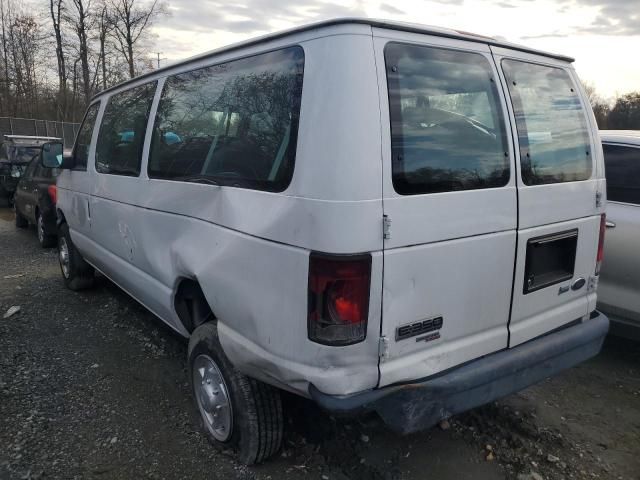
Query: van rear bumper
[418,405]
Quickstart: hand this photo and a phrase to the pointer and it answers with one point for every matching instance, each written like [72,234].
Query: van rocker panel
[410,407]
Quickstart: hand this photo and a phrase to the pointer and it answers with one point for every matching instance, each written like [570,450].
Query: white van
[378,216]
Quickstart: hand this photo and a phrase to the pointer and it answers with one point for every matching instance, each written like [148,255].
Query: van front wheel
[237,412]
[76,272]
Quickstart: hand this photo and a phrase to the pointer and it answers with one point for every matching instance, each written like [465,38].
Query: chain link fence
[39,128]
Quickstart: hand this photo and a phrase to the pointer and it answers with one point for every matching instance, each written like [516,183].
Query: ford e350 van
[374,215]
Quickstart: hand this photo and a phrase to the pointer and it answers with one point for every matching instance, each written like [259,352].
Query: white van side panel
[248,249]
[262,321]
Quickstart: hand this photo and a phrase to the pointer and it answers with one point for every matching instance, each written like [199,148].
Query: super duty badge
[418,328]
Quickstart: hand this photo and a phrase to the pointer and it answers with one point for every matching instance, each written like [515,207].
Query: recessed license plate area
[550,260]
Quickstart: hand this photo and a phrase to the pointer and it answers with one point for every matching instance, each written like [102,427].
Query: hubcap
[212,397]
[63,255]
[40,229]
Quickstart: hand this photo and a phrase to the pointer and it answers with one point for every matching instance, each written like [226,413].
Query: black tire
[257,421]
[46,240]
[21,222]
[79,274]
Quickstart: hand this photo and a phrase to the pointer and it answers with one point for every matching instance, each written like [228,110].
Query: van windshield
[552,129]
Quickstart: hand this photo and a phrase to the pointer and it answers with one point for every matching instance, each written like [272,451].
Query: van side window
[552,130]
[622,168]
[121,137]
[233,124]
[447,128]
[85,135]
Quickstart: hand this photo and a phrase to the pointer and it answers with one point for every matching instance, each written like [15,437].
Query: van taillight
[600,255]
[53,193]
[338,300]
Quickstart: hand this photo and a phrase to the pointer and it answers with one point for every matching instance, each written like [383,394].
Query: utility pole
[158,53]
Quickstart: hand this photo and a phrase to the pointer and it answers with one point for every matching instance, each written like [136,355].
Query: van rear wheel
[237,412]
[76,272]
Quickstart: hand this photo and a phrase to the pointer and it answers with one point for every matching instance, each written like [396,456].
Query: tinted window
[622,168]
[121,137]
[85,135]
[23,154]
[447,129]
[554,141]
[234,123]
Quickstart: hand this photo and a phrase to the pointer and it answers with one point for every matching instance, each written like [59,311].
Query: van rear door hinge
[386,227]
[383,347]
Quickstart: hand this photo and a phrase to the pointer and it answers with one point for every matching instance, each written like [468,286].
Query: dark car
[16,151]
[35,201]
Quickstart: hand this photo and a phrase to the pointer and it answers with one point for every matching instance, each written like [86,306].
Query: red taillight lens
[600,256]
[53,193]
[338,298]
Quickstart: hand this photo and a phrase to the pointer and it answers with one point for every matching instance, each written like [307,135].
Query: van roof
[388,24]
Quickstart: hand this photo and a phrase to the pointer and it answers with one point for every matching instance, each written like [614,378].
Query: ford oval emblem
[578,284]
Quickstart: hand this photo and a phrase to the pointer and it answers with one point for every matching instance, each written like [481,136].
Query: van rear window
[552,129]
[234,123]
[447,128]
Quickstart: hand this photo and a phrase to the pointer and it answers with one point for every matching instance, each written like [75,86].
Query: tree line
[623,114]
[55,56]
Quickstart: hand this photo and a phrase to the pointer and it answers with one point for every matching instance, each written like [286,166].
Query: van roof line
[388,24]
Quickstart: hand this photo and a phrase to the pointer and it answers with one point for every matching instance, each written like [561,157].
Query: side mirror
[52,156]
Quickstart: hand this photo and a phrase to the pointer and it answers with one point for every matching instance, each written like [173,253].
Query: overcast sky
[603,35]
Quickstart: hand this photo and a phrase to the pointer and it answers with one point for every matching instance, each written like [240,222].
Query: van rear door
[560,195]
[449,202]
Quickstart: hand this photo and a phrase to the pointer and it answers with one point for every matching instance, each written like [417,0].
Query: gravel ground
[93,386]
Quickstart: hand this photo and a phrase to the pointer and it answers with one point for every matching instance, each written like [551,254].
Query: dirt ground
[92,386]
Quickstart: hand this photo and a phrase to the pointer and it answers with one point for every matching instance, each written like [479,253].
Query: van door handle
[610,224]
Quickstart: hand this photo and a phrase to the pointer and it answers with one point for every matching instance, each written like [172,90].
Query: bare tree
[104,29]
[131,21]
[81,20]
[24,42]
[56,9]
[5,17]
[599,105]
[625,114]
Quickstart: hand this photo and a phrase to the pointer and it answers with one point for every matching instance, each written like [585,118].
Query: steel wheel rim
[212,397]
[63,255]
[40,229]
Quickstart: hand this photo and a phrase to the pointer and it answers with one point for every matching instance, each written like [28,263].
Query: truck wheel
[77,273]
[21,222]
[44,238]
[237,412]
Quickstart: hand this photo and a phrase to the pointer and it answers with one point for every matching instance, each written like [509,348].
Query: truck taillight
[53,193]
[600,255]
[338,300]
